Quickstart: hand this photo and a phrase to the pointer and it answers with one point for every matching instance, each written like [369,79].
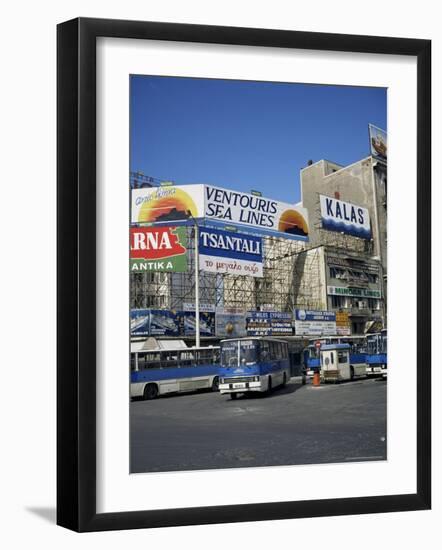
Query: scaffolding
[293,276]
[291,279]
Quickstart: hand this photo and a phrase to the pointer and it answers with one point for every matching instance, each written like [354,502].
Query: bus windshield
[239,352]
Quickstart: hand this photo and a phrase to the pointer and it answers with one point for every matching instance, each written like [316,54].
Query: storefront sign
[158,249]
[356,292]
[345,217]
[228,252]
[343,327]
[315,323]
[269,323]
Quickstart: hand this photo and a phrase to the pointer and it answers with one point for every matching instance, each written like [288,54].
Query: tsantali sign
[345,217]
[158,249]
[229,252]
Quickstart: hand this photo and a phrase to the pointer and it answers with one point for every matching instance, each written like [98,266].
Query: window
[373,277]
[342,357]
[338,301]
[374,303]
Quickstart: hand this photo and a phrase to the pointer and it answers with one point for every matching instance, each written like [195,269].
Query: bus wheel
[352,373]
[215,384]
[233,395]
[150,391]
[284,380]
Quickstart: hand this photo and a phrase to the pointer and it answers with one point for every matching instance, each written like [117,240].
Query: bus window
[265,350]
[248,352]
[342,357]
[229,354]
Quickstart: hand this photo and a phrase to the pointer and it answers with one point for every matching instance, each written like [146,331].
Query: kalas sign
[345,217]
[158,249]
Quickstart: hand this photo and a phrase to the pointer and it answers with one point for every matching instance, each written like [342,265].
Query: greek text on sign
[227,252]
[345,217]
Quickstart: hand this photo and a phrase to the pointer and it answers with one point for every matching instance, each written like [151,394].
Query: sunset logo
[292,222]
[169,204]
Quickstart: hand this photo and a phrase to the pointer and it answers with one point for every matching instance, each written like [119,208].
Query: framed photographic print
[243,303]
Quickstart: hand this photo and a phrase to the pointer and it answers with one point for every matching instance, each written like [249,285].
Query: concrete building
[355,268]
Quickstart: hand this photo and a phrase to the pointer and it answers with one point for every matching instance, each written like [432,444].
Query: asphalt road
[293,425]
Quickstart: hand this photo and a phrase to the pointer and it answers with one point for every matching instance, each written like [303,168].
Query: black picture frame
[76,274]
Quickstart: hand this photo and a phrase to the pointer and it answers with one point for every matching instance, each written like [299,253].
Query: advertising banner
[269,323]
[153,322]
[343,327]
[230,252]
[378,142]
[181,203]
[352,291]
[230,324]
[167,204]
[158,249]
[139,322]
[345,217]
[315,323]
[188,323]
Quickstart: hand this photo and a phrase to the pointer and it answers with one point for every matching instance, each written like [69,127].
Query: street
[293,425]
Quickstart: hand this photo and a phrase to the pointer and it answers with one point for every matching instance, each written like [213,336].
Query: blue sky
[247,135]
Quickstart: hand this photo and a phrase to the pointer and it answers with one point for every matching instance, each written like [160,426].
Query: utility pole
[196,234]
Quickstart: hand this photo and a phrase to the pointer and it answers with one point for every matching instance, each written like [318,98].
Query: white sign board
[224,207]
[345,217]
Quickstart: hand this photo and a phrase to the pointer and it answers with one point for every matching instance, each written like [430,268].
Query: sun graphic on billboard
[170,206]
[292,222]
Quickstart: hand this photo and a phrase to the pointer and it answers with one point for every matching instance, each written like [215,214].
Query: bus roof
[269,338]
[168,350]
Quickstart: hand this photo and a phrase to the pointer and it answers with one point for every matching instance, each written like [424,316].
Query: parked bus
[376,353]
[338,363]
[157,372]
[255,364]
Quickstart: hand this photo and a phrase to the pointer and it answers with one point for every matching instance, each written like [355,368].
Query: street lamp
[197,281]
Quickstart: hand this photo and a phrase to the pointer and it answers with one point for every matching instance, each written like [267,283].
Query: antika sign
[158,249]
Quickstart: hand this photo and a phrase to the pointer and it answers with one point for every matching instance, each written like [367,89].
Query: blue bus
[376,354]
[254,364]
[157,372]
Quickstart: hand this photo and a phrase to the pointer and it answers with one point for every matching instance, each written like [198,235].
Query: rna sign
[345,217]
[158,249]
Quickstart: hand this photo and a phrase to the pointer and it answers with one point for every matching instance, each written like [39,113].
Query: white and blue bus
[254,364]
[157,372]
[376,354]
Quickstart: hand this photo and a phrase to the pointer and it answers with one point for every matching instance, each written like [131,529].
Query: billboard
[269,323]
[230,252]
[230,323]
[158,249]
[223,207]
[345,217]
[378,142]
[315,323]
[187,321]
[153,322]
